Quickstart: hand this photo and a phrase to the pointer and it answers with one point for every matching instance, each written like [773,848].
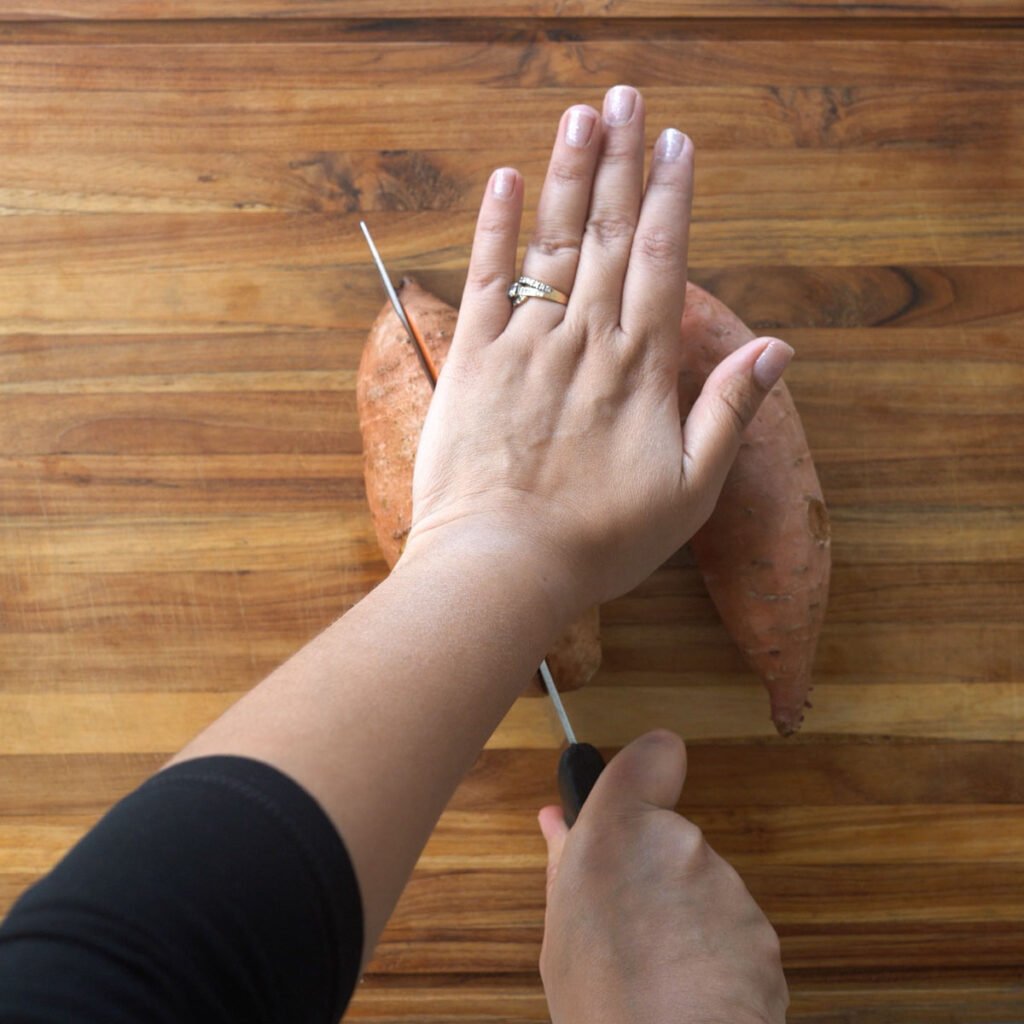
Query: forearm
[381,715]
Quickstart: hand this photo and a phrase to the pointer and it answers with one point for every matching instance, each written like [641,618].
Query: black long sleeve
[218,891]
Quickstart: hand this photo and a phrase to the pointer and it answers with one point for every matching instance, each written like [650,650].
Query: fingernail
[619,104]
[504,183]
[579,126]
[670,145]
[771,363]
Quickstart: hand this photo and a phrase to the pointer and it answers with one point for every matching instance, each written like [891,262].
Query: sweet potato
[764,553]
[393,395]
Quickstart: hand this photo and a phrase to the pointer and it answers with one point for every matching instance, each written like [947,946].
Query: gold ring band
[524,288]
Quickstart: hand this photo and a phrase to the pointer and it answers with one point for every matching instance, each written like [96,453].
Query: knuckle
[553,245]
[492,227]
[621,147]
[673,180]
[735,403]
[771,945]
[610,228]
[486,278]
[690,844]
[659,246]
[566,172]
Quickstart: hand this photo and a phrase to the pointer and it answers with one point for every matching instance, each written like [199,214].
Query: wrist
[526,574]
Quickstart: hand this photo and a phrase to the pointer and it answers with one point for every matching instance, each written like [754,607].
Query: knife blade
[415,338]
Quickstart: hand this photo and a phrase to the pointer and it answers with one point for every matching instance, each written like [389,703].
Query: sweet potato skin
[765,552]
[393,396]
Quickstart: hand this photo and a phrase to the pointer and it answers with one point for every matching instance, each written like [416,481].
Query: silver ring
[524,288]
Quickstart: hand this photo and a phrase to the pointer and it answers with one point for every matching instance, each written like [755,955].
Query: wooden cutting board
[183,297]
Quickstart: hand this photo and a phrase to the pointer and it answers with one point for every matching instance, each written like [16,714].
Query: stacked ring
[524,288]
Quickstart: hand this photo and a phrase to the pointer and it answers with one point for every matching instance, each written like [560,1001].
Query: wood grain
[560,9]
[392,998]
[184,298]
[80,719]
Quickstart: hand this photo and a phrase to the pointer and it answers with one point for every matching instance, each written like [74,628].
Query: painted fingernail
[504,182]
[619,104]
[771,363]
[670,145]
[579,126]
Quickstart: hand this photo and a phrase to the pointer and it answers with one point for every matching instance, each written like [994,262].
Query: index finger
[655,285]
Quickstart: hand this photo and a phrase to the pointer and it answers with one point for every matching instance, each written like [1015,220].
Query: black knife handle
[578,769]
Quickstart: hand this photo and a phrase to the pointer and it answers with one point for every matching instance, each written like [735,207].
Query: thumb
[554,829]
[649,773]
[729,400]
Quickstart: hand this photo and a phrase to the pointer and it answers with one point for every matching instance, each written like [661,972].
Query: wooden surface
[183,296]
